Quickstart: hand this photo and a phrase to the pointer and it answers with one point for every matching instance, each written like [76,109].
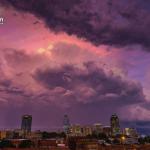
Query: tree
[6,144]
[92,136]
[26,144]
[116,141]
[62,135]
[102,136]
[147,139]
[144,140]
[141,141]
[49,135]
[72,144]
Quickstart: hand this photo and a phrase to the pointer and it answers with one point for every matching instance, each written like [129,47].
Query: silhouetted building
[107,130]
[115,125]
[97,128]
[66,124]
[26,123]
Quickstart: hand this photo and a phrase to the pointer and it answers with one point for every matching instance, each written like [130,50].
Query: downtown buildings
[71,129]
[114,130]
[95,137]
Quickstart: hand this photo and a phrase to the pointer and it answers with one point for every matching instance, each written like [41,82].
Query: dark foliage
[6,144]
[49,135]
[26,144]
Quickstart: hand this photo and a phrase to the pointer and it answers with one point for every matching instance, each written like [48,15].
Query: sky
[85,58]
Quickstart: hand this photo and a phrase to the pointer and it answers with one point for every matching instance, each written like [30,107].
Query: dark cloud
[101,22]
[90,84]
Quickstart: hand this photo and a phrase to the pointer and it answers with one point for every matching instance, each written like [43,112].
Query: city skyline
[115,126]
[88,59]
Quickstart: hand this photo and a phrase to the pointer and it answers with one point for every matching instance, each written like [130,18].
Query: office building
[115,124]
[130,132]
[26,123]
[76,130]
[87,130]
[66,124]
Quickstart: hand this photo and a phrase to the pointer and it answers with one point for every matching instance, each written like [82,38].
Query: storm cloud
[36,84]
[109,22]
[89,84]
[72,57]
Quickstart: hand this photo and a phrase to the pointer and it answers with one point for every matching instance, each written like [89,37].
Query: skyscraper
[115,125]
[26,123]
[66,124]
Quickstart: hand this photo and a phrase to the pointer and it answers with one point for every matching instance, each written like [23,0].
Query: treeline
[50,135]
[144,140]
[23,144]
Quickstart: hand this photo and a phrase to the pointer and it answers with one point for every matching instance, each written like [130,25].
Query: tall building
[115,124]
[66,124]
[26,123]
[76,130]
[97,128]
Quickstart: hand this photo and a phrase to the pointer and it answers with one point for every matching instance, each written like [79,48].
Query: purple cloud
[89,84]
[29,84]
[101,22]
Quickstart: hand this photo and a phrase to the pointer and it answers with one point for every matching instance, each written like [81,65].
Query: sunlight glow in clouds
[46,51]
